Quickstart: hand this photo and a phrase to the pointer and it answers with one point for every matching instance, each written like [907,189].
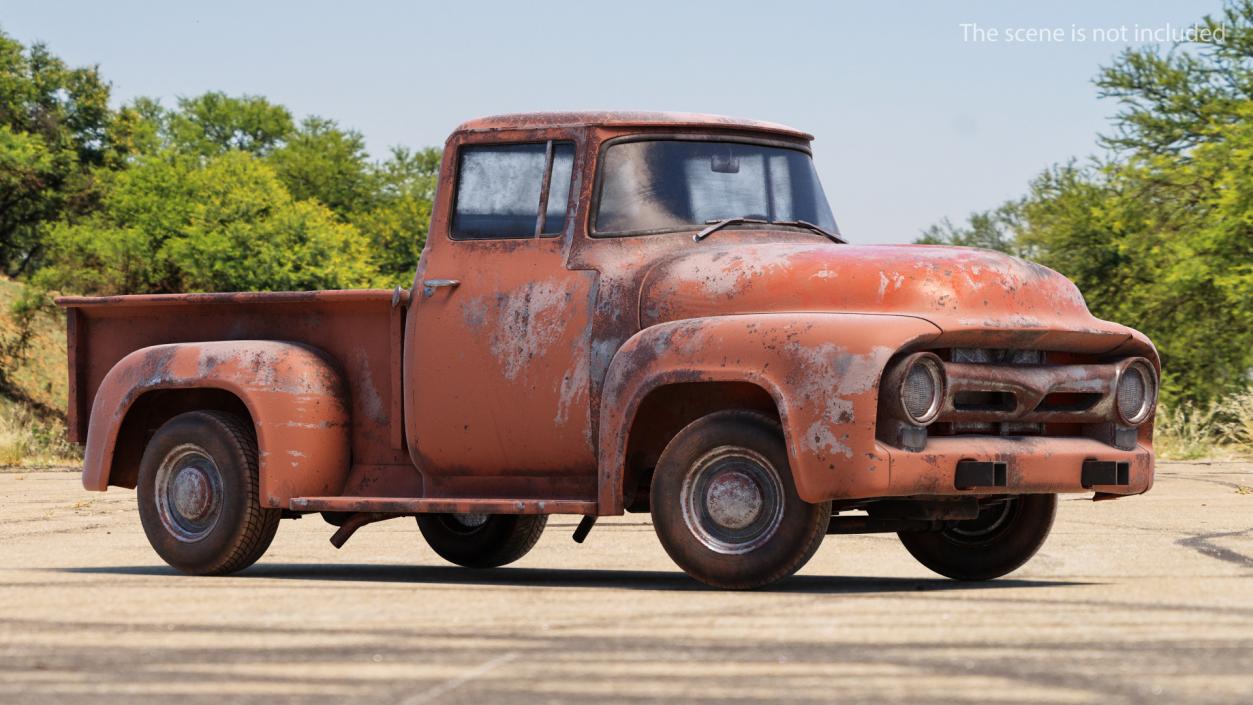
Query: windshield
[667,185]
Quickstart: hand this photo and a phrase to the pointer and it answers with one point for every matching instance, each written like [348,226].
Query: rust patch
[528,323]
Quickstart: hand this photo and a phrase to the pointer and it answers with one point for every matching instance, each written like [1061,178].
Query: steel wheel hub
[192,495]
[732,500]
[189,493]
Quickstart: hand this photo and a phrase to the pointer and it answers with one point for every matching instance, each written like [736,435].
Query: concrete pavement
[1147,599]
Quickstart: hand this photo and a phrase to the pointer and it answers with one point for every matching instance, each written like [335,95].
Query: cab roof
[624,118]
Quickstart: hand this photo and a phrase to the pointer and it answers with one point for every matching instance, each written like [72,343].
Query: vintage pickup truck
[624,312]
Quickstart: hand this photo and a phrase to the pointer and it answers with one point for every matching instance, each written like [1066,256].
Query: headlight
[920,388]
[1136,393]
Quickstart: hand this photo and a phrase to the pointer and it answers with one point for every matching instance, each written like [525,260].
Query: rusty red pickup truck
[624,312]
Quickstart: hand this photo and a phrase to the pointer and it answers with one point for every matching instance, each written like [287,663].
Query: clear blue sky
[913,122]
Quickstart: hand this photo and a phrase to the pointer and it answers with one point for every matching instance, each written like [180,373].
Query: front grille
[991,401]
[996,356]
[999,392]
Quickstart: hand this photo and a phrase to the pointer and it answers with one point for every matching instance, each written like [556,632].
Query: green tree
[1170,100]
[993,230]
[397,223]
[320,161]
[54,130]
[389,202]
[214,123]
[174,222]
[1189,243]
[31,175]
[218,192]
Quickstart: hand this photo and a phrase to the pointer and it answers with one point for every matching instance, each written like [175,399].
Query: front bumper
[1032,464]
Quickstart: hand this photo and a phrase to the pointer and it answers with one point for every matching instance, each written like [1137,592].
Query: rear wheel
[724,505]
[198,497]
[1004,536]
[481,540]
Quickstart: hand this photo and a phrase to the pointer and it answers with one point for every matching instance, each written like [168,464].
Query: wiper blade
[810,226]
[716,225]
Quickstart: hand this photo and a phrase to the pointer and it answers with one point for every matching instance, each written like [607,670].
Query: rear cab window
[512,190]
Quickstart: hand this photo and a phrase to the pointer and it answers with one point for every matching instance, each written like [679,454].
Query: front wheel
[725,507]
[1004,536]
[481,540]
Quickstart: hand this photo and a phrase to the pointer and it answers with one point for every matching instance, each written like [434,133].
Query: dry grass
[27,440]
[32,431]
[1220,429]
[1236,421]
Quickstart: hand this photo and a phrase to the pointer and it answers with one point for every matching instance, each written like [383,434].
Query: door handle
[430,285]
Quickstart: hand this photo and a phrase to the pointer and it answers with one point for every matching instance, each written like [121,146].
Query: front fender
[294,394]
[821,369]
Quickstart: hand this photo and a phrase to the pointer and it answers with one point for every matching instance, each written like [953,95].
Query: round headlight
[1136,393]
[922,390]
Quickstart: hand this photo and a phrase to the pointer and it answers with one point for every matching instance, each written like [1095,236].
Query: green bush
[172,223]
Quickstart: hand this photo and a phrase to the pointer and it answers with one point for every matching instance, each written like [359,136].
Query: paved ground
[1142,600]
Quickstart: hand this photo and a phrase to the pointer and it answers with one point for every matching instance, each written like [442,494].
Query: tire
[1000,540]
[198,495]
[481,540]
[725,507]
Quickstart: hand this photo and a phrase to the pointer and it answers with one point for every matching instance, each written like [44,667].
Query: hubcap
[193,498]
[189,493]
[732,500]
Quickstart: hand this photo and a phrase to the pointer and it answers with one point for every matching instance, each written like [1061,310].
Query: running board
[441,505]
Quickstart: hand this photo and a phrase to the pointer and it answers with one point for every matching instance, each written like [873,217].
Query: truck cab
[645,312]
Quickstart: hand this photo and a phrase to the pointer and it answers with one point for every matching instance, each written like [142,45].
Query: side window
[499,189]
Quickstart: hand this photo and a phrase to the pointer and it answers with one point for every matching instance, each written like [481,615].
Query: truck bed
[361,330]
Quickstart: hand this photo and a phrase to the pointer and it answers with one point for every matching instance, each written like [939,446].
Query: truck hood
[956,288]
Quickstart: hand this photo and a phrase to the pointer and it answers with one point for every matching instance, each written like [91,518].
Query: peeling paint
[573,390]
[529,322]
[371,400]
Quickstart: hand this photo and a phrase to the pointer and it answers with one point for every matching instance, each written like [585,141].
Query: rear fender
[822,370]
[293,393]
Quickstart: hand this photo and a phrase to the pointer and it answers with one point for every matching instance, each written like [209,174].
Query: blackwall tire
[481,540]
[198,495]
[725,507]
[1000,540]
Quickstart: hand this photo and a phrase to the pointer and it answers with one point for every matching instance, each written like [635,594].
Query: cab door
[499,332]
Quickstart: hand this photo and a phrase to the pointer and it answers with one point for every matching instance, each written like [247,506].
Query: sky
[920,112]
